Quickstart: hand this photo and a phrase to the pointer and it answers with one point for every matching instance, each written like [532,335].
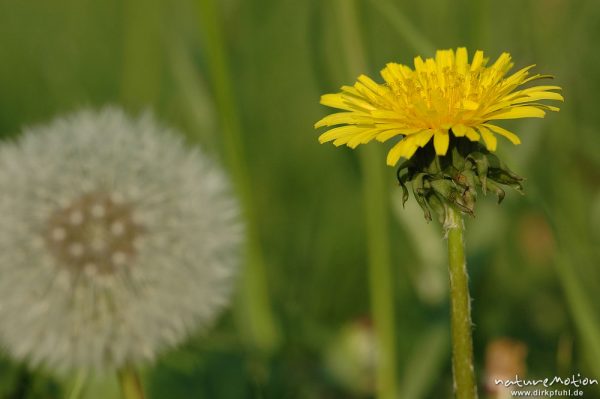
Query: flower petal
[502,63]
[501,131]
[404,148]
[516,113]
[395,153]
[385,114]
[477,61]
[488,138]
[419,65]
[362,138]
[339,132]
[459,130]
[335,101]
[462,59]
[472,134]
[337,119]
[543,95]
[386,135]
[421,139]
[441,139]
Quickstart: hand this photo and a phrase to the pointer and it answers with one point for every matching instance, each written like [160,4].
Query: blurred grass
[57,56]
[376,213]
[257,323]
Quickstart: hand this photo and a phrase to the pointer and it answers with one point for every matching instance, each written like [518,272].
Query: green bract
[454,179]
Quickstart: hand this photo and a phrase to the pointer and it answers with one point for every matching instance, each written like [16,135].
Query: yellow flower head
[438,97]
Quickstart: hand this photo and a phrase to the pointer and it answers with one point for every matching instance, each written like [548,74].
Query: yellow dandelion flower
[439,98]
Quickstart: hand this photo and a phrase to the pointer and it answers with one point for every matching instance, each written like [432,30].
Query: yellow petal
[385,114]
[472,134]
[335,101]
[419,64]
[410,151]
[502,62]
[421,139]
[537,77]
[396,152]
[488,138]
[462,59]
[336,119]
[391,73]
[362,138]
[501,131]
[370,84]
[441,140]
[370,90]
[550,108]
[386,135]
[543,95]
[529,91]
[358,102]
[518,76]
[404,148]
[394,73]
[341,131]
[430,65]
[470,105]
[397,126]
[516,113]
[459,130]
[540,88]
[444,58]
[477,60]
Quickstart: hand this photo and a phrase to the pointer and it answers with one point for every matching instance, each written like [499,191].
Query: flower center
[95,234]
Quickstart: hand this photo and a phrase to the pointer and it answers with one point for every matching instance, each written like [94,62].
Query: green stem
[253,309]
[376,204]
[462,340]
[131,386]
[76,389]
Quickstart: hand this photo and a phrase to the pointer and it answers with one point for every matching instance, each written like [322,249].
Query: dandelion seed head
[90,243]
[117,242]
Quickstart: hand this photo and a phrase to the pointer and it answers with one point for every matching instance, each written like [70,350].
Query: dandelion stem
[131,386]
[76,389]
[462,341]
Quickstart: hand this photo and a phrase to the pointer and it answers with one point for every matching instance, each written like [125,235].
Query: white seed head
[116,242]
[58,234]
[119,258]
[90,269]
[98,211]
[75,249]
[117,228]
[76,217]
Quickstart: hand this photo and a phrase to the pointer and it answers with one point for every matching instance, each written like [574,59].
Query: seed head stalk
[131,385]
[462,341]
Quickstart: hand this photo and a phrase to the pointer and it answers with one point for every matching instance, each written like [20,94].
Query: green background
[533,261]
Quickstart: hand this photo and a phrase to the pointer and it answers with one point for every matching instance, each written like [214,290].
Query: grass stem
[376,205]
[254,306]
[131,386]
